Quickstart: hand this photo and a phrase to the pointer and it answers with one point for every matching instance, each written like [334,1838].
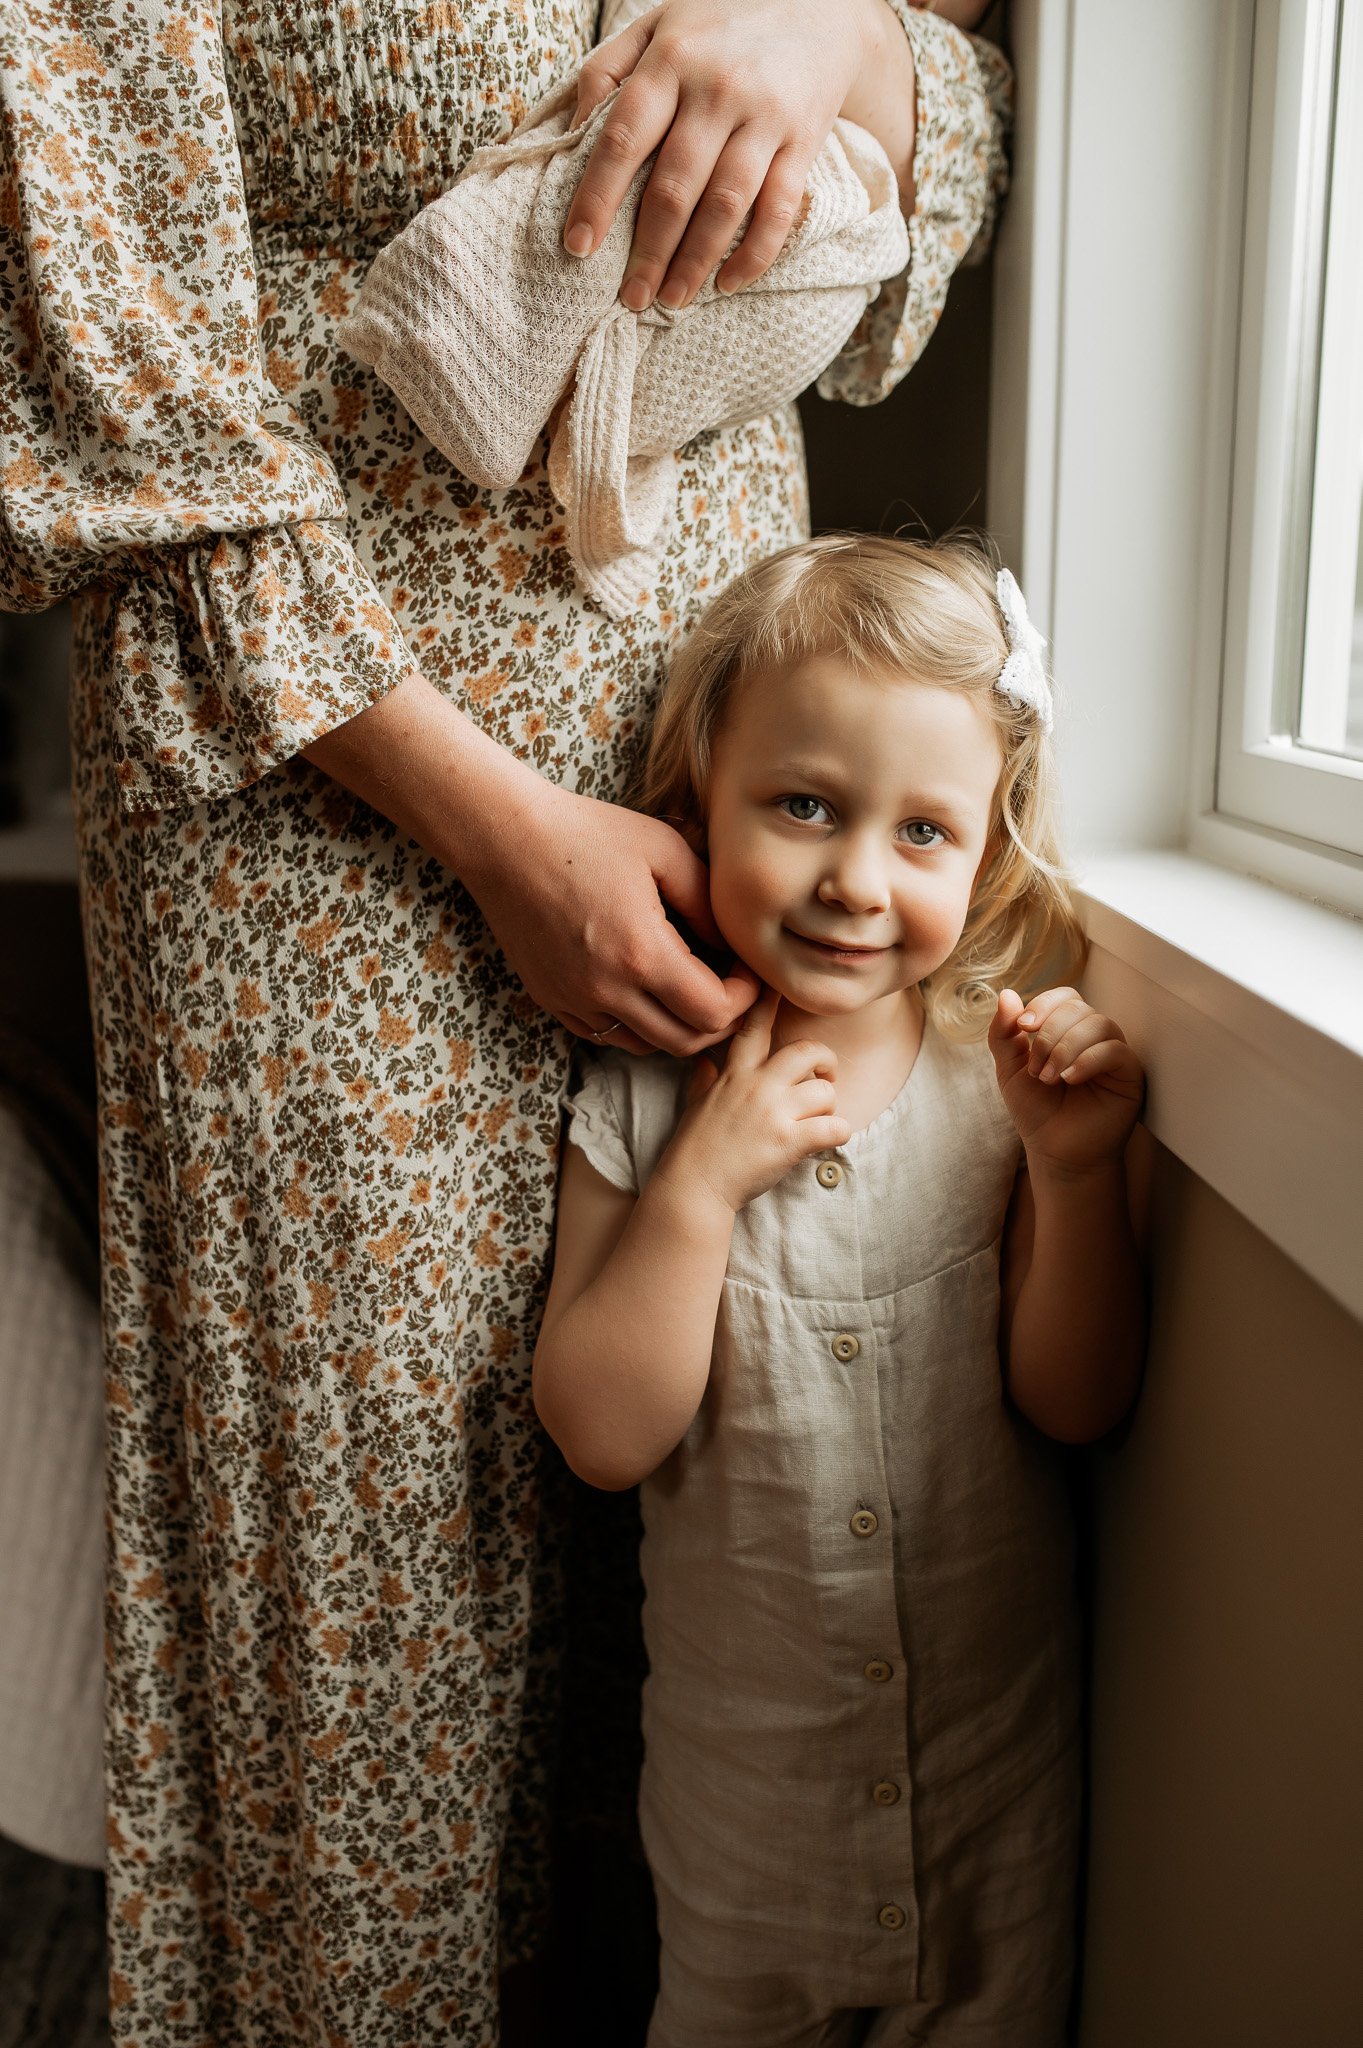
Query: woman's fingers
[774,215]
[751,1042]
[632,130]
[702,227]
[701,1005]
[611,63]
[604,1033]
[683,880]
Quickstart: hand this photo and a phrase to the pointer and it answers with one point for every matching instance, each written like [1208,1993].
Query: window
[1290,754]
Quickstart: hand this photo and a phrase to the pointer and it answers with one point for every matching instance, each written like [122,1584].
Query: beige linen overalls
[861,1720]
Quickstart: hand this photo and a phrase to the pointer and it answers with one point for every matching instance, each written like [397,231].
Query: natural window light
[1291,750]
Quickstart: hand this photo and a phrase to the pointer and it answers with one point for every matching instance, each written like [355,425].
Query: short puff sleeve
[596,1109]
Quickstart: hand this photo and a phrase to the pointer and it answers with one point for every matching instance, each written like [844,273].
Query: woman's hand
[575,893]
[1072,1084]
[750,1121]
[737,97]
[574,890]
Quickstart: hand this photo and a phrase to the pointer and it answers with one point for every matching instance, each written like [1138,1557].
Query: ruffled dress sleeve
[142,443]
[964,89]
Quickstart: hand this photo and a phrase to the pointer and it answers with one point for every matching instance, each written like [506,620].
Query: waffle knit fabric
[490,334]
[487,331]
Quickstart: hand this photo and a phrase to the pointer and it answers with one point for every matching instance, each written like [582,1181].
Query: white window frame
[1289,600]
[1118,292]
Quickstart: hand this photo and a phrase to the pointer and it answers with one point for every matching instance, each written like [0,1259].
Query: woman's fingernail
[1048,1072]
[672,295]
[728,284]
[1027,1020]
[578,240]
[1068,1074]
[635,294]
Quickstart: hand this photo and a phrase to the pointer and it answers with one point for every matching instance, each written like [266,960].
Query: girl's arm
[1073,1317]
[624,1352]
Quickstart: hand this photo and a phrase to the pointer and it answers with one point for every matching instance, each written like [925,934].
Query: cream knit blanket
[488,332]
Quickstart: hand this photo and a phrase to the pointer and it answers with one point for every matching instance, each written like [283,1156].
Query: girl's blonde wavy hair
[929,611]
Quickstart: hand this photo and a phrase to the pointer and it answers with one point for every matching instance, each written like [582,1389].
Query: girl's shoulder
[622,1110]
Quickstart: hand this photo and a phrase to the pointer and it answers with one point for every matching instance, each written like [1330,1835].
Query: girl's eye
[809,810]
[920,833]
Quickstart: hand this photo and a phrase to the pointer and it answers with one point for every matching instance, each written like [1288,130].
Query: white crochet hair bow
[1022,679]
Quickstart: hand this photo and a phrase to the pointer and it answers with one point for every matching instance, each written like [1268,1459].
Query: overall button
[828,1173]
[877,1670]
[864,1522]
[845,1347]
[892,1918]
[886,1793]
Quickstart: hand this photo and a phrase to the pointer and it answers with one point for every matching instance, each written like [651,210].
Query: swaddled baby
[489,332]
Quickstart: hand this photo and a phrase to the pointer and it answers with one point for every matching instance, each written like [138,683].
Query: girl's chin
[820,997]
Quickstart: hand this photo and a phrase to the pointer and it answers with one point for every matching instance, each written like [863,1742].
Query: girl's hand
[737,99]
[760,1114]
[574,891]
[1072,1084]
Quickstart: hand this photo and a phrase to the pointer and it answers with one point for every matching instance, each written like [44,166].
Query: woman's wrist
[883,99]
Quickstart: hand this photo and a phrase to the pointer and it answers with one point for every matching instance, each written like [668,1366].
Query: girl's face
[848,818]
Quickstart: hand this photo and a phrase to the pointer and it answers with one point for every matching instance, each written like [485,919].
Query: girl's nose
[855,878]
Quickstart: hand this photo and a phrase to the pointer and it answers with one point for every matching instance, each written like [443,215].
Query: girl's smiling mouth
[833,950]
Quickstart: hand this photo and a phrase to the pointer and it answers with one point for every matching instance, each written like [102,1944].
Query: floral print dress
[329,1115]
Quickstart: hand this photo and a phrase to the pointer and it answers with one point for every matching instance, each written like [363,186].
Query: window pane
[1330,709]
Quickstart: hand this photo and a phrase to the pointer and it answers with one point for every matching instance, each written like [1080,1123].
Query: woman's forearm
[406,753]
[1077,1337]
[620,1374]
[883,99]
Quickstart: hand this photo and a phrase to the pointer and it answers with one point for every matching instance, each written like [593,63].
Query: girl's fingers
[1113,1062]
[751,1042]
[687,160]
[1062,1018]
[814,1096]
[802,1060]
[1039,1009]
[1090,1029]
[733,185]
[1007,1044]
[824,1133]
[774,215]
[632,130]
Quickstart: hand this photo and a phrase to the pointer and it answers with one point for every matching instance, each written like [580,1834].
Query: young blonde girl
[831,1299]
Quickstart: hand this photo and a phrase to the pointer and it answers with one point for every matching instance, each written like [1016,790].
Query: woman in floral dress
[330,1070]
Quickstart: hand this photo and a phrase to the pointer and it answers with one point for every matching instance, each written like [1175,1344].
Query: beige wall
[1226,1891]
